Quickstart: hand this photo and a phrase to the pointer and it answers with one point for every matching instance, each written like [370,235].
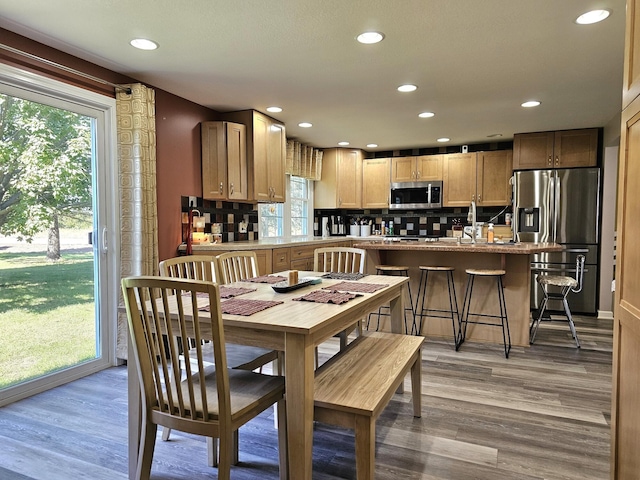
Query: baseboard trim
[605,315]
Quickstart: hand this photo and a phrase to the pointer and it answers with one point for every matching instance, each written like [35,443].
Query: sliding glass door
[58,224]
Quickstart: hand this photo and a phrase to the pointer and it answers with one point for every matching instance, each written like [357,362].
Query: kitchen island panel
[517,282]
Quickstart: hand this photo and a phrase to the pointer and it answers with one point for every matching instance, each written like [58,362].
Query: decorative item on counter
[197,232]
[507,219]
[293,277]
[490,234]
[457,228]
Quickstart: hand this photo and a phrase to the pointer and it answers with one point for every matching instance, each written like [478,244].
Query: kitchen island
[514,258]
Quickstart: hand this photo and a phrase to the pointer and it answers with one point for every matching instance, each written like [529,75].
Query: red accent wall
[178,166]
[178,120]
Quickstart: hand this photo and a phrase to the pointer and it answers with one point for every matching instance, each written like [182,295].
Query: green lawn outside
[47,318]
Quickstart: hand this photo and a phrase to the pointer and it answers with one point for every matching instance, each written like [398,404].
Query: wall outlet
[242,227]
[193,201]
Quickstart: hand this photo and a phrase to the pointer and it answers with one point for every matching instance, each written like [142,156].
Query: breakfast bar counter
[514,258]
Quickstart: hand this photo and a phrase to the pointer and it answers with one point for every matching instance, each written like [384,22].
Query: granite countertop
[520,248]
[265,243]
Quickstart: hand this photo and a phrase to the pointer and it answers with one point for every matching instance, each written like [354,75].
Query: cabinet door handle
[413,174]
[231,189]
[339,201]
[479,198]
[418,174]
[557,161]
[221,187]
[550,160]
[473,197]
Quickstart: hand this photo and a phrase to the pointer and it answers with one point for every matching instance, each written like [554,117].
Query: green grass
[47,319]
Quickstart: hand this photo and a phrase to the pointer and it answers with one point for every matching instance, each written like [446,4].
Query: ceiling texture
[474,61]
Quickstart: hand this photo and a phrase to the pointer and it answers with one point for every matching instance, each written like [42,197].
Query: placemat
[238,306]
[266,279]
[357,287]
[328,296]
[230,292]
[343,276]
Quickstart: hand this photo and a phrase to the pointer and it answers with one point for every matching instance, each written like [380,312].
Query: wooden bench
[352,388]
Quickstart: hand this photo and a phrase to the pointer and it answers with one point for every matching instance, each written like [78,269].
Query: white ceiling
[474,61]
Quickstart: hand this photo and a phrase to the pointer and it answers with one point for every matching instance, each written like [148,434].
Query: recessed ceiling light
[343,144]
[531,103]
[370,37]
[407,88]
[426,114]
[143,44]
[443,139]
[594,16]
[274,109]
[494,135]
[372,145]
[305,125]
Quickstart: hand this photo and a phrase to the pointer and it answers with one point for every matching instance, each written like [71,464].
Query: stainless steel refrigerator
[561,206]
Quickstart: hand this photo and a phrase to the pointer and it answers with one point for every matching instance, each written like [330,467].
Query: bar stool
[393,270]
[472,273]
[422,293]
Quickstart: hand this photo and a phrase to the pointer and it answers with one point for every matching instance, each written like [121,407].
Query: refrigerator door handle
[556,207]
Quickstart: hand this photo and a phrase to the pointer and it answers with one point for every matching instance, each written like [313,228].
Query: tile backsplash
[229,214]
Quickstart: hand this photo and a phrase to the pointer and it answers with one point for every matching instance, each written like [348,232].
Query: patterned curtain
[136,117]
[303,161]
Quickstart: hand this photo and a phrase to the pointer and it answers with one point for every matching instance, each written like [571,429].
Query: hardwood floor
[542,414]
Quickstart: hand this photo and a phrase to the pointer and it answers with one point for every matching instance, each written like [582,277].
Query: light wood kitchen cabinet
[631,76]
[625,414]
[266,150]
[459,179]
[281,259]
[482,177]
[416,169]
[224,161]
[493,173]
[341,182]
[375,183]
[560,149]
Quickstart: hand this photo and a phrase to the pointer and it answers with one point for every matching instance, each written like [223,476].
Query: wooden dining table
[295,328]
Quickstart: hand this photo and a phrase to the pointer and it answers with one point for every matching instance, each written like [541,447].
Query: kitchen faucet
[471,217]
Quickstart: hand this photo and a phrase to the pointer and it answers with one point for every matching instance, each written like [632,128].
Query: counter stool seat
[384,310]
[472,273]
[423,312]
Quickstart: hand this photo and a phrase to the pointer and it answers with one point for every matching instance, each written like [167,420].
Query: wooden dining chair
[340,260]
[213,402]
[237,266]
[244,357]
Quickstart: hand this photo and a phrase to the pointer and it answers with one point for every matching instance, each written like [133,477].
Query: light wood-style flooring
[542,414]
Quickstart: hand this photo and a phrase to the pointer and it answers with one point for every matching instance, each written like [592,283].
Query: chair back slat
[339,260]
[237,266]
[171,387]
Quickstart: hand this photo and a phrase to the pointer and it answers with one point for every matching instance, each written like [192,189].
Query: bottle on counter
[490,234]
[383,230]
[390,230]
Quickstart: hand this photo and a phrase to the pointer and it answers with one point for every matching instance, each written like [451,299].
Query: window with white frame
[291,218]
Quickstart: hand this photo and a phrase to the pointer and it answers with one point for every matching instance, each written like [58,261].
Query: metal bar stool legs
[466,313]
[384,309]
[422,312]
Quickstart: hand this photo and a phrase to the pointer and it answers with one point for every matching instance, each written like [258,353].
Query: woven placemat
[230,292]
[328,296]
[343,276]
[266,279]
[238,306]
[357,287]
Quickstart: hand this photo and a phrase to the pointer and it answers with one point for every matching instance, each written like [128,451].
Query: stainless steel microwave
[416,195]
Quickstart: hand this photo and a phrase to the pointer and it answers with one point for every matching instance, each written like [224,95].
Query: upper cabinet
[481,177]
[493,174]
[631,79]
[266,150]
[561,149]
[224,161]
[341,182]
[375,183]
[416,169]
